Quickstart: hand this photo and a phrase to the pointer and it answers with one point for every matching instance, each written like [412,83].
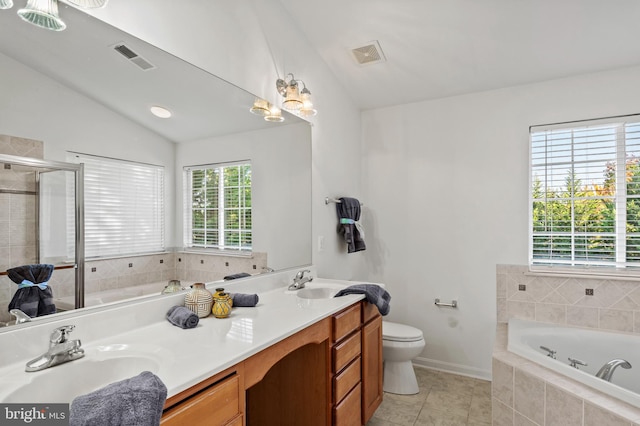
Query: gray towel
[244,300]
[375,294]
[236,276]
[137,401]
[33,297]
[348,210]
[182,317]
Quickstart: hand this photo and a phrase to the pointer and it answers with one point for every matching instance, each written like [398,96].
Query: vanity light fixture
[275,115]
[260,107]
[160,112]
[44,13]
[296,101]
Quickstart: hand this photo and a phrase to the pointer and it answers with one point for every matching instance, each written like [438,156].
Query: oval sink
[62,383]
[317,293]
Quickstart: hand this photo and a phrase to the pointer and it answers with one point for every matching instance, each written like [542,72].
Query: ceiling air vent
[370,53]
[132,56]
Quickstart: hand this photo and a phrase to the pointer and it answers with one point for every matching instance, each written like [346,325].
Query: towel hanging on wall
[348,210]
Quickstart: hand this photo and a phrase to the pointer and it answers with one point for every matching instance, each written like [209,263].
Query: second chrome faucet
[300,280]
[61,350]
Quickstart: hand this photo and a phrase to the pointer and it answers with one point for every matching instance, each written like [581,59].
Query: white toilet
[400,344]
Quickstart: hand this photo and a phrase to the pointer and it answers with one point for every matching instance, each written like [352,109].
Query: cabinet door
[371,368]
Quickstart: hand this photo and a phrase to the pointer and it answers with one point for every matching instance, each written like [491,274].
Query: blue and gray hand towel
[348,210]
[34,296]
[136,401]
[375,295]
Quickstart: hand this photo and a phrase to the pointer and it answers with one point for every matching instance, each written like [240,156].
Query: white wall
[446,186]
[245,42]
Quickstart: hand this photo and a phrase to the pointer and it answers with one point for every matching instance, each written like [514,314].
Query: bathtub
[114,295]
[594,347]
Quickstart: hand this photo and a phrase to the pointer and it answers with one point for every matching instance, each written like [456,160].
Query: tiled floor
[444,400]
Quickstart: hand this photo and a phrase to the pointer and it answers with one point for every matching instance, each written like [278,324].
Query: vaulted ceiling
[441,48]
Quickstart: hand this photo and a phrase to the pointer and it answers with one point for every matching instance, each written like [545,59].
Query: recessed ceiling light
[161,112]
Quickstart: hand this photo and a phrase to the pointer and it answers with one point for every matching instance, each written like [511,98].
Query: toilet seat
[395,332]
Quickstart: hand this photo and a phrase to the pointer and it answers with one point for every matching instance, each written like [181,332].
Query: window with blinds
[218,207]
[585,194]
[124,206]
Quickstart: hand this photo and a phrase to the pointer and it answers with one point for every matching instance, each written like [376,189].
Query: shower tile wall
[17,215]
[614,305]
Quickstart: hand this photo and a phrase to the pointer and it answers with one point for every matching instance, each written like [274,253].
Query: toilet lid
[400,332]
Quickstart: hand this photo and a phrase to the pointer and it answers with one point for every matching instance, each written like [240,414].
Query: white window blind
[124,206]
[585,194]
[218,206]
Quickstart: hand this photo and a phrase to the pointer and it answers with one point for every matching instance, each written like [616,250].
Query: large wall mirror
[88,90]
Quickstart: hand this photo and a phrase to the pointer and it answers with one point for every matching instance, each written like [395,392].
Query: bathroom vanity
[290,360]
[328,373]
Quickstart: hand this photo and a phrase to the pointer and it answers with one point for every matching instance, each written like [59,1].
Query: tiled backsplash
[614,305]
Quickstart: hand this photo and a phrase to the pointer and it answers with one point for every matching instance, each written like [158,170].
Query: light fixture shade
[307,106]
[43,13]
[88,4]
[6,4]
[292,99]
[275,115]
[260,107]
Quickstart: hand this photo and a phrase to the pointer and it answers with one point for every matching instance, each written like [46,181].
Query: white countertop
[180,357]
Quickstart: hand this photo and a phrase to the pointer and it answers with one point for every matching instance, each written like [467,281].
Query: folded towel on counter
[34,297]
[137,401]
[375,295]
[235,276]
[348,210]
[182,317]
[244,300]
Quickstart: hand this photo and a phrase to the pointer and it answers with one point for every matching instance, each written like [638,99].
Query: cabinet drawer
[238,421]
[347,413]
[344,352]
[369,312]
[212,407]
[346,380]
[346,321]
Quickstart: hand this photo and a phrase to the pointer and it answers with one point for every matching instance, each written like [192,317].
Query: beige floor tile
[429,417]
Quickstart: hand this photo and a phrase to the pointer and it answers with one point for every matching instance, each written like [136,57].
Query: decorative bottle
[221,305]
[199,300]
[221,290]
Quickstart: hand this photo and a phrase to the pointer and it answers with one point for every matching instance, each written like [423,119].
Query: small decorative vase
[221,290]
[172,287]
[199,300]
[221,305]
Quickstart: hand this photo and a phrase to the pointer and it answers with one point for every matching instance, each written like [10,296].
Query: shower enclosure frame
[41,166]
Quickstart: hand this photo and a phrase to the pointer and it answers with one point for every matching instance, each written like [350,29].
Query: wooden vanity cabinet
[356,364]
[218,401]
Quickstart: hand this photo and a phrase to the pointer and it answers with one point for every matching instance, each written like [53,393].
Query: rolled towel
[375,295]
[236,276]
[244,300]
[182,317]
[136,401]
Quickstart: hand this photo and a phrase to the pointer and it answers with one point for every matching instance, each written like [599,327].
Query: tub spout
[607,370]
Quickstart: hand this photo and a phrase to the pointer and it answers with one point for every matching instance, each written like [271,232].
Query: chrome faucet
[607,370]
[20,316]
[300,280]
[61,350]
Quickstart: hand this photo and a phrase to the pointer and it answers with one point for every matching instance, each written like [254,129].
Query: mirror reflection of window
[218,207]
[124,206]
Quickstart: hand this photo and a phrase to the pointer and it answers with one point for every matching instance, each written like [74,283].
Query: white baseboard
[447,367]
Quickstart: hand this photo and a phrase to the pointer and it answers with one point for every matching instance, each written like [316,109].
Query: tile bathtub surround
[525,393]
[615,304]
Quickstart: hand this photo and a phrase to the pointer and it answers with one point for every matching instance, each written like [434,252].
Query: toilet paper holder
[453,304]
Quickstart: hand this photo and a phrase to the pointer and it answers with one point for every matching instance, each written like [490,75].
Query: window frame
[622,264]
[244,233]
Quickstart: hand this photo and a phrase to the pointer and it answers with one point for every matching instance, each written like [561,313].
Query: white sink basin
[319,289]
[62,383]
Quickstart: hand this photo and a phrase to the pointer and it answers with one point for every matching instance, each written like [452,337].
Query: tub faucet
[20,316]
[607,370]
[61,350]
[300,280]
